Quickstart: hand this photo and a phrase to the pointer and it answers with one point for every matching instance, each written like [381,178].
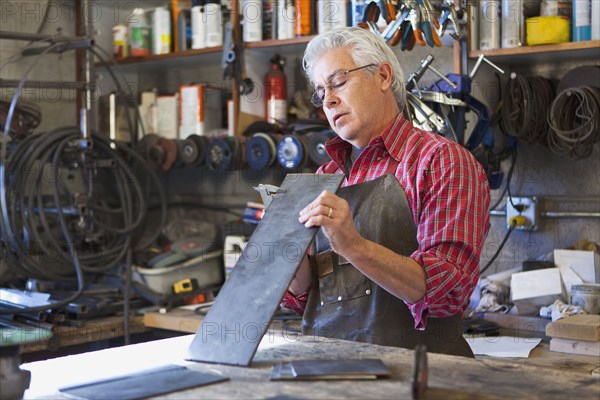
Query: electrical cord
[575,121]
[506,189]
[29,202]
[526,102]
[512,227]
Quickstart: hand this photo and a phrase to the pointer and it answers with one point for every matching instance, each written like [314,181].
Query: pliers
[431,36]
[370,17]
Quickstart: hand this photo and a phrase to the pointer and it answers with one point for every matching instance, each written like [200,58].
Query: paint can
[490,22]
[513,26]
[586,296]
[140,35]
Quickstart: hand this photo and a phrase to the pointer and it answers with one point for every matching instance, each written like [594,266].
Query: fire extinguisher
[276,92]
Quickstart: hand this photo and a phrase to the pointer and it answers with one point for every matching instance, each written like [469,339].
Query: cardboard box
[577,267]
[532,289]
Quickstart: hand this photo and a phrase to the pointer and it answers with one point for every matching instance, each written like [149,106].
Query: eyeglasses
[335,83]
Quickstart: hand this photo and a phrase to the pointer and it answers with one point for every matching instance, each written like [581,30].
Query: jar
[586,296]
[561,8]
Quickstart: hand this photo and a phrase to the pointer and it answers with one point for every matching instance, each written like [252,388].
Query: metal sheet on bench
[242,312]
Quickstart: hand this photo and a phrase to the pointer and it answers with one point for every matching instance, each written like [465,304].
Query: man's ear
[385,74]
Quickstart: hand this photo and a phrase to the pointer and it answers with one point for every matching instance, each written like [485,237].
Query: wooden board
[575,347]
[231,331]
[576,327]
[450,377]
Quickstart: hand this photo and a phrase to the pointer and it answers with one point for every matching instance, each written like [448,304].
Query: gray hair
[365,48]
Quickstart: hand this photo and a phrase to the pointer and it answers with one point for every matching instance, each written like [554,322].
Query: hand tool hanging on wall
[414,21]
[233,61]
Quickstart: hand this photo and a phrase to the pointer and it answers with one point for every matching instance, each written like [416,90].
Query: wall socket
[527,207]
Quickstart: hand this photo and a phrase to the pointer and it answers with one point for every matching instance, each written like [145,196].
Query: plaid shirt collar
[393,139]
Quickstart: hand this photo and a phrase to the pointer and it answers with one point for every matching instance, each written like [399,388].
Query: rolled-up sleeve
[452,222]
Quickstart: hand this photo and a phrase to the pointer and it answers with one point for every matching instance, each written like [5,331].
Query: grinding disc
[261,151]
[170,148]
[291,152]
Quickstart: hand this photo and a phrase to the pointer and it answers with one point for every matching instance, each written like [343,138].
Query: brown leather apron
[346,304]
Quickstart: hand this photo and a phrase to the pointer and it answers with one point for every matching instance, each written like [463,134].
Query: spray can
[161,31]
[139,33]
[214,23]
[474,17]
[252,20]
[276,92]
[489,24]
[582,20]
[331,14]
[286,19]
[304,17]
[357,10]
[513,27]
[198,25]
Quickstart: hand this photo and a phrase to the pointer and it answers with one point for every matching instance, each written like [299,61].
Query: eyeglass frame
[317,101]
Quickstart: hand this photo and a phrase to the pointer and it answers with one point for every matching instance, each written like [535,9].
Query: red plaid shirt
[449,196]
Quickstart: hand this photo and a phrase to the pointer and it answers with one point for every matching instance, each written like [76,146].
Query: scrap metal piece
[267,192]
[242,312]
[420,373]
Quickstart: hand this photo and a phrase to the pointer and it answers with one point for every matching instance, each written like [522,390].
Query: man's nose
[330,98]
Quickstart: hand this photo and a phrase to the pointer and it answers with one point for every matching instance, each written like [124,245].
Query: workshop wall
[560,183]
[58,106]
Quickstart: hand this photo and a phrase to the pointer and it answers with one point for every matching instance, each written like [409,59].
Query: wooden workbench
[92,330]
[449,376]
[184,320]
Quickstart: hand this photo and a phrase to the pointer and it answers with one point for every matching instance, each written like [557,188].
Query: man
[397,255]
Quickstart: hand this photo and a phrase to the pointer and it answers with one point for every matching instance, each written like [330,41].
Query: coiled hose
[575,121]
[526,101]
[40,198]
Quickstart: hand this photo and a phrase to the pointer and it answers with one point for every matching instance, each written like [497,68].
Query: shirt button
[322,303]
[368,291]
[339,298]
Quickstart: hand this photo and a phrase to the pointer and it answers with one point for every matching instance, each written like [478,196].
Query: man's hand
[332,214]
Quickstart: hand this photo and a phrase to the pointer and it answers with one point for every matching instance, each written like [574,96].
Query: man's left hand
[332,214]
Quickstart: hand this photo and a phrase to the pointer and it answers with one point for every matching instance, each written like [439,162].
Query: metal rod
[61,48]
[37,37]
[443,77]
[570,214]
[555,214]
[42,84]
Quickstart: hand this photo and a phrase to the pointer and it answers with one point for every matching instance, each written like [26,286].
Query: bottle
[161,31]
[252,20]
[304,17]
[198,25]
[139,33]
[214,23]
[276,92]
[582,21]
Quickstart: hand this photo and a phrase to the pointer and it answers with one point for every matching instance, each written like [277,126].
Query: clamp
[267,192]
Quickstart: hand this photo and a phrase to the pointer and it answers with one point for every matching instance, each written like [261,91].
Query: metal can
[586,296]
[120,40]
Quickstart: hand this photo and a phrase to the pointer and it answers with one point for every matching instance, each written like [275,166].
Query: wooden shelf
[542,53]
[173,55]
[210,50]
[277,43]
